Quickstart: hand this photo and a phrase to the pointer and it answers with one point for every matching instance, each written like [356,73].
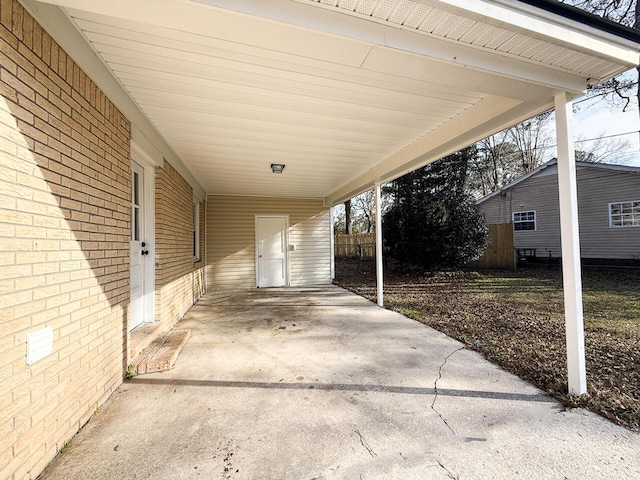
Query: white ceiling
[344,92]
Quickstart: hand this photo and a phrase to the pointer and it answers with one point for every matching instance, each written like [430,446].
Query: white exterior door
[271,251]
[138,255]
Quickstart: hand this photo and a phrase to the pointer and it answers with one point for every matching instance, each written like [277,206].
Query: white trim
[611,225]
[196,229]
[144,149]
[534,22]
[332,245]
[149,234]
[541,24]
[379,265]
[570,237]
[286,242]
[535,220]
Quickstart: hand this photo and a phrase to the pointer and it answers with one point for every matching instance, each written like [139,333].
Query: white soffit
[232,92]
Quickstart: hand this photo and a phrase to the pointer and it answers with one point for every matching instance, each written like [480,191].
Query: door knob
[145,252]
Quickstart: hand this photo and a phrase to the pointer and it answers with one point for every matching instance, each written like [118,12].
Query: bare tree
[621,89]
[599,149]
[348,224]
[365,204]
[505,156]
[531,138]
[494,166]
[362,213]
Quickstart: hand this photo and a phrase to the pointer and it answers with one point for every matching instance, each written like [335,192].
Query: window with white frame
[523,221]
[196,230]
[624,214]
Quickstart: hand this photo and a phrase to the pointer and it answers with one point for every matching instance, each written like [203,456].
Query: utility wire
[589,139]
[607,136]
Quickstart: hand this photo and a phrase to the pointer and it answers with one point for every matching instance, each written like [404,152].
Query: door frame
[148,299]
[258,216]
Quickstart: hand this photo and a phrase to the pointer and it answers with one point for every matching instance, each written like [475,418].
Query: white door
[271,251]
[138,256]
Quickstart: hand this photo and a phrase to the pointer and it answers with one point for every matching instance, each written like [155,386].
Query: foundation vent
[39,345]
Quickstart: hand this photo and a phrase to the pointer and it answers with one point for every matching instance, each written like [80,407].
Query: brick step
[162,353]
[142,337]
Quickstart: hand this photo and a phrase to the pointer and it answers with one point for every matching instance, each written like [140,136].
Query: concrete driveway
[319,383]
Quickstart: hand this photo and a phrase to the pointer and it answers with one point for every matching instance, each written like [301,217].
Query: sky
[595,118]
[599,121]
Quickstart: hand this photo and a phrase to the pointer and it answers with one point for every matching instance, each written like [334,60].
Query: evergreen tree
[432,221]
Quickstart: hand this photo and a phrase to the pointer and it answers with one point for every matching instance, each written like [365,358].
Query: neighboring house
[608,209]
[139,141]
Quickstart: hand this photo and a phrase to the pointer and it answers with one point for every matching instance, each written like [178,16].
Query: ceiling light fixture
[277,167]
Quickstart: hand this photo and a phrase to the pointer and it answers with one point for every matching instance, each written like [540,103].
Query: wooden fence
[357,245]
[500,252]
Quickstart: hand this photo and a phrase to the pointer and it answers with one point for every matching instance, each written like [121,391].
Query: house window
[196,230]
[624,214]
[523,221]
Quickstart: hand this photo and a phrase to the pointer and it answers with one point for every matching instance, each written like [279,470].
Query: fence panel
[357,245]
[500,252]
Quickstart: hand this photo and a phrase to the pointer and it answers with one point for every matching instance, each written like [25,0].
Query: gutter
[573,13]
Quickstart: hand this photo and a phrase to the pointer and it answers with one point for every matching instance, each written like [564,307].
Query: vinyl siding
[231,240]
[597,187]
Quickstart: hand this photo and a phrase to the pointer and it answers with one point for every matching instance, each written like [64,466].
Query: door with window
[139,251]
[272,269]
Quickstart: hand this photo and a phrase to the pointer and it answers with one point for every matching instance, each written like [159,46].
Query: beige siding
[231,240]
[597,187]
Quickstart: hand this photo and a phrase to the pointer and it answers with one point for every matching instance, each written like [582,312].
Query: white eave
[346,93]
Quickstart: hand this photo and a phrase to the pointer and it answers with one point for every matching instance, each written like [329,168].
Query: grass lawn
[515,319]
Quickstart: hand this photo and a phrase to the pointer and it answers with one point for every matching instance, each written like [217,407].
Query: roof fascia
[550,163]
[544,25]
[574,13]
[609,166]
[518,180]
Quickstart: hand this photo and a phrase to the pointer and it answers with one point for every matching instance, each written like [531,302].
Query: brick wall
[179,280]
[64,243]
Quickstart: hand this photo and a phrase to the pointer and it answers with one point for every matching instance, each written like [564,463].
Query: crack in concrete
[451,475]
[365,444]
[435,389]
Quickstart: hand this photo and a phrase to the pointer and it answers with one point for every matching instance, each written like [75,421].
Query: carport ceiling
[346,93]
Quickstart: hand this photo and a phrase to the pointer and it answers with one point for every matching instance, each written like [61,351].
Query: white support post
[571,274]
[379,272]
[332,245]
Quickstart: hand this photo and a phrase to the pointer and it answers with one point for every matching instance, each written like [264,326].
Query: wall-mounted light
[277,167]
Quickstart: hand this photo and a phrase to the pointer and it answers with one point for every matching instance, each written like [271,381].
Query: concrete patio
[303,383]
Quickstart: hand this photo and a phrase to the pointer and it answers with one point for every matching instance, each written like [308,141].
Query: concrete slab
[316,383]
